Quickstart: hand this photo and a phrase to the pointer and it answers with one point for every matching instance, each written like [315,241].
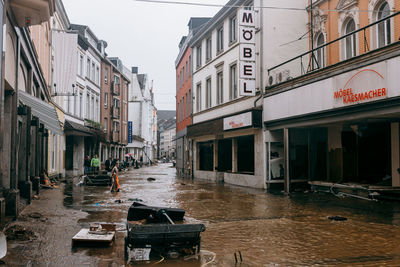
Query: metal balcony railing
[115,112]
[321,56]
[115,88]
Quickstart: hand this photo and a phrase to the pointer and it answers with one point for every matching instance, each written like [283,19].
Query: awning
[73,128]
[44,111]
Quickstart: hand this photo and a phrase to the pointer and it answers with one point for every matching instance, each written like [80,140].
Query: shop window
[206,156]
[225,155]
[245,154]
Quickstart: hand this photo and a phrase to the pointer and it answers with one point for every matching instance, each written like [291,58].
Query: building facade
[114,109]
[230,54]
[348,132]
[184,99]
[142,117]
[27,116]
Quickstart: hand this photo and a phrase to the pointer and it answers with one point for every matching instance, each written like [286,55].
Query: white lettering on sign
[246,87]
[238,121]
[247,52]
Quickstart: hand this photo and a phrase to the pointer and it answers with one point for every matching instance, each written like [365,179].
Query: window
[208,93]
[87,106]
[198,56]
[93,72]
[92,111]
[350,41]
[220,39]
[116,126]
[320,53]
[208,49]
[106,74]
[233,92]
[75,104]
[190,66]
[384,31]
[80,64]
[232,30]
[187,106]
[97,75]
[198,97]
[80,104]
[177,82]
[105,124]
[220,88]
[183,76]
[88,68]
[183,108]
[177,112]
[190,102]
[105,100]
[187,71]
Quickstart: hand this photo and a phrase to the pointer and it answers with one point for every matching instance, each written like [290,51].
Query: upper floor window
[233,82]
[80,64]
[220,39]
[190,66]
[88,68]
[93,72]
[198,56]
[187,71]
[320,53]
[208,93]
[232,29]
[220,88]
[384,32]
[198,97]
[208,49]
[350,41]
[106,74]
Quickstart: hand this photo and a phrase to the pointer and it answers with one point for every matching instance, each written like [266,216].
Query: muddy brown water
[268,229]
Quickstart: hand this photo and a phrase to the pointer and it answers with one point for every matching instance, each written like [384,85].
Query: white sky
[141,34]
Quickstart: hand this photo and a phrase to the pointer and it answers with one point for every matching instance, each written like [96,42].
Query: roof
[215,21]
[165,114]
[76,129]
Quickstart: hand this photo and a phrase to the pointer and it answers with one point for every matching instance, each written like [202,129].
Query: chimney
[135,70]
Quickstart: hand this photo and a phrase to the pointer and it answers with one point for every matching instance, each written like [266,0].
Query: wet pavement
[268,229]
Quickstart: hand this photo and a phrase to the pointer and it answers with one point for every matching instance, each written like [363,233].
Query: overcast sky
[142,34]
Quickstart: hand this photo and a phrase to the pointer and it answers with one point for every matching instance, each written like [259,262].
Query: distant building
[166,120]
[142,117]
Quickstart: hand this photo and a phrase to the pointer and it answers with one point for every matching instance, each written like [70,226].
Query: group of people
[91,164]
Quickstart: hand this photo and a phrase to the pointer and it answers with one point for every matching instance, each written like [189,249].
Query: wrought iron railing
[312,60]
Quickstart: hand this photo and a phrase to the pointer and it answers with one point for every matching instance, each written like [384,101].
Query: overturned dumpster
[158,234]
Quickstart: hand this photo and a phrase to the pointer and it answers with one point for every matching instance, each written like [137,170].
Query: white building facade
[227,131]
[142,120]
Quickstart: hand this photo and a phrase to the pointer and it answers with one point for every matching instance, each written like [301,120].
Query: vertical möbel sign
[247,54]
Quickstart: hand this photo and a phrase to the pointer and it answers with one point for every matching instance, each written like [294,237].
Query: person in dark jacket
[108,164]
[86,164]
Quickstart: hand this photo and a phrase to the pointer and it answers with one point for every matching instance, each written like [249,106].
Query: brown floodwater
[268,229]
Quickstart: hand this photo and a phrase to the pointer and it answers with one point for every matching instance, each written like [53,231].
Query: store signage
[238,121]
[360,86]
[247,53]
[130,136]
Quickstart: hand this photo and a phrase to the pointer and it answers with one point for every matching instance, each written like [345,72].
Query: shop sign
[130,136]
[238,121]
[360,86]
[247,58]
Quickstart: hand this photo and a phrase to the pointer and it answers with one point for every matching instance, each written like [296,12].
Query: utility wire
[256,7]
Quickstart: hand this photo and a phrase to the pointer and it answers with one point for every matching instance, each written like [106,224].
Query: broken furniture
[160,234]
[103,234]
[102,178]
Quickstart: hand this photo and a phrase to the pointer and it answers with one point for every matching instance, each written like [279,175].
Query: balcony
[115,88]
[353,48]
[115,137]
[115,112]
[32,12]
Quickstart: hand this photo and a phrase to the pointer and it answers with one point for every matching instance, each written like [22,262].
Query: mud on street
[268,229]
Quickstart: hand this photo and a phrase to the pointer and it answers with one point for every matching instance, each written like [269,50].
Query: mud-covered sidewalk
[41,236]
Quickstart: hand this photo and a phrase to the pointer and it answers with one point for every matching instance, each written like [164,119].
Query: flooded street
[268,229]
